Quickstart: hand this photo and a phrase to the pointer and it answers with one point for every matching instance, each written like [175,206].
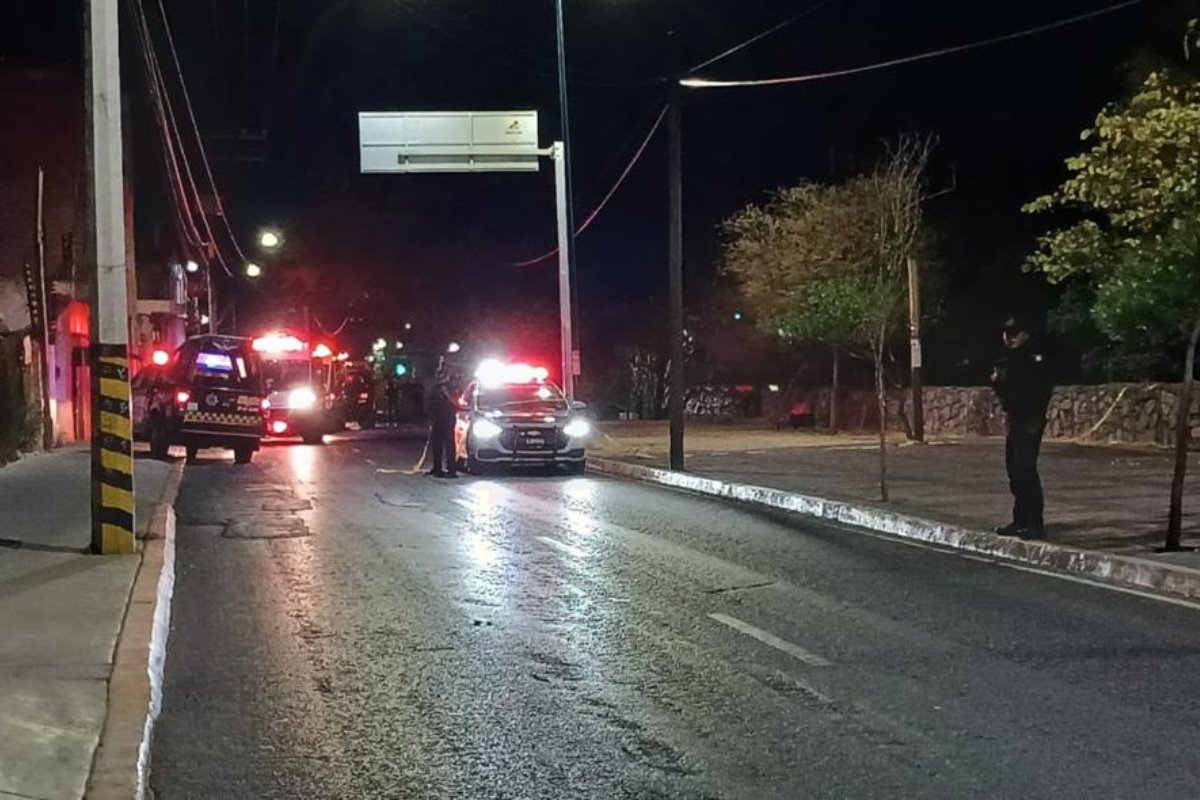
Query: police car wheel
[577,469]
[314,438]
[242,455]
[192,452]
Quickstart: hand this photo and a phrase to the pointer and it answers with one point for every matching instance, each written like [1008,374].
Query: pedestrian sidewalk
[1107,498]
[60,615]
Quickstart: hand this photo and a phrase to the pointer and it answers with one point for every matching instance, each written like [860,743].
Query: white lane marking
[371,461]
[566,548]
[793,650]
[156,659]
[1096,584]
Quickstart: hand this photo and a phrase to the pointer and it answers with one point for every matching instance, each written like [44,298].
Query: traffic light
[403,368]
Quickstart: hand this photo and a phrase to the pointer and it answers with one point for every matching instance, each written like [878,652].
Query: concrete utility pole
[678,384]
[565,234]
[567,245]
[914,335]
[112,429]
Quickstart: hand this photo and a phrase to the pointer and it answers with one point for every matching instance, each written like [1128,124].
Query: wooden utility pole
[914,336]
[678,384]
[43,325]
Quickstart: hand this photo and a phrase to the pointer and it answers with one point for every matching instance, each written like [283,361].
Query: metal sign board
[448,141]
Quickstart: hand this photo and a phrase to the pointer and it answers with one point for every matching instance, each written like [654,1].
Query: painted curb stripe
[1130,571]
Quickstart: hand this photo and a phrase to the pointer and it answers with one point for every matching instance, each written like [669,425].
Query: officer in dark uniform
[442,412]
[1023,383]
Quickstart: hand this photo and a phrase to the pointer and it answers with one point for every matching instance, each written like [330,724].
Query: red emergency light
[278,344]
[492,373]
[160,358]
[322,351]
[279,426]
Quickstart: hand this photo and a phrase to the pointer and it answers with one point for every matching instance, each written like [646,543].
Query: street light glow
[192,266]
[270,239]
[253,270]
[454,347]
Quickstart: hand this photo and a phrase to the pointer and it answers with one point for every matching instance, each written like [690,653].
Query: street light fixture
[253,270]
[191,266]
[408,326]
[270,239]
[453,348]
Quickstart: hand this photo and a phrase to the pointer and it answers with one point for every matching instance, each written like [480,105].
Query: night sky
[440,248]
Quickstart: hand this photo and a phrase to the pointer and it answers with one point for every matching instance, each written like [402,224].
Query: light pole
[569,241]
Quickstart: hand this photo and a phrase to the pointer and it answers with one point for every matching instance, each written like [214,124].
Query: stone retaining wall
[1120,412]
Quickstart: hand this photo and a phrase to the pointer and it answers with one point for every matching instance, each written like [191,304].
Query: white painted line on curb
[980,559]
[793,650]
[566,548]
[156,661]
[1098,585]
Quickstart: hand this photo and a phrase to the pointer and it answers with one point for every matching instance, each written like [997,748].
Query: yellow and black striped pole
[112,452]
[112,446]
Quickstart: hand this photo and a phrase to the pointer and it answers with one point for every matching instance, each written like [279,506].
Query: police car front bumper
[531,445]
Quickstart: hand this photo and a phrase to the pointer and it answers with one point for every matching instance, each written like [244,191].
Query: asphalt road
[344,630]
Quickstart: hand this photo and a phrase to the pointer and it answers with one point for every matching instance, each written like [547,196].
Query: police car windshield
[532,398]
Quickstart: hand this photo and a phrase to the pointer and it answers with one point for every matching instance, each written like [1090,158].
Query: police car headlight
[577,428]
[302,398]
[486,429]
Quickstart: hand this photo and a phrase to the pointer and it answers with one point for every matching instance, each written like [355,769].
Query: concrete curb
[1126,571]
[134,687]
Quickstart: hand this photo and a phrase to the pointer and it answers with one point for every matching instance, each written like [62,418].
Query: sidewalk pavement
[1107,498]
[60,615]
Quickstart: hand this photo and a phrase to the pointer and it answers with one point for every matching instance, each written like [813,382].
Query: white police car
[511,415]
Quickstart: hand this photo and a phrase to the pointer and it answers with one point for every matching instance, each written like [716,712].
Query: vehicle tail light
[182,396]
[364,396]
[279,426]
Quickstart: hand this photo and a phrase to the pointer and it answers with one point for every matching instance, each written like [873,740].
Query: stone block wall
[1140,413]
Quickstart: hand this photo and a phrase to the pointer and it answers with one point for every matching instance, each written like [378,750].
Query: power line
[186,222]
[599,208]
[196,132]
[702,83]
[799,15]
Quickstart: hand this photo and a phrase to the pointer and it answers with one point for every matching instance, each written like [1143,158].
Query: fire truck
[301,385]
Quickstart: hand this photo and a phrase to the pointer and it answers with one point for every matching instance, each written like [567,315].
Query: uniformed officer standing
[442,412]
[1023,383]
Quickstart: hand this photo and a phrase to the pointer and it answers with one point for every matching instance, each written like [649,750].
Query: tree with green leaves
[828,263]
[1135,195]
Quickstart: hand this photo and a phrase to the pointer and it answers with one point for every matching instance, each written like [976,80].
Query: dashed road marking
[783,645]
[563,546]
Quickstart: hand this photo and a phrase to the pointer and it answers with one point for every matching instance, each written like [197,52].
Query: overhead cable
[604,202]
[762,35]
[704,83]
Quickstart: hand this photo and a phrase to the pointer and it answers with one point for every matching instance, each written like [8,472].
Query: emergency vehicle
[207,394]
[301,388]
[512,415]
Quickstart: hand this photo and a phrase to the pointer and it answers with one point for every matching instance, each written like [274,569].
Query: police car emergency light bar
[492,373]
[276,344]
